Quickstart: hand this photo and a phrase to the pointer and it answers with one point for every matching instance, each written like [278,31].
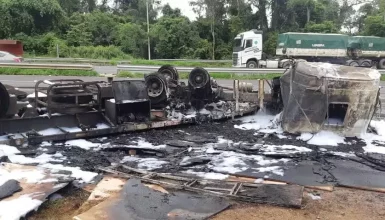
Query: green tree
[170,12]
[270,43]
[215,13]
[79,35]
[29,16]
[70,6]
[137,9]
[375,26]
[324,27]
[132,39]
[174,37]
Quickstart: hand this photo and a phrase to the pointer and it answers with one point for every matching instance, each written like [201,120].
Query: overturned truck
[322,96]
[311,97]
[69,109]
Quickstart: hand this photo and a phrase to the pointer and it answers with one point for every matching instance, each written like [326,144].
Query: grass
[180,63]
[47,72]
[182,75]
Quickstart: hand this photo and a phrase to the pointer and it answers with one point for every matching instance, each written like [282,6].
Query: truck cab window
[238,43]
[249,43]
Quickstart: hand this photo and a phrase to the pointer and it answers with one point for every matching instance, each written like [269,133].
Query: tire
[366,63]
[156,85]
[199,78]
[354,63]
[169,72]
[286,65]
[381,64]
[252,64]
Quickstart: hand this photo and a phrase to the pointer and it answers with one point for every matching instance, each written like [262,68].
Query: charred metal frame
[59,84]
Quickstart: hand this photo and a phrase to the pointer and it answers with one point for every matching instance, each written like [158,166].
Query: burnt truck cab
[324,96]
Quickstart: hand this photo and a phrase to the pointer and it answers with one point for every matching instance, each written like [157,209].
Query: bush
[40,44]
[47,72]
[91,52]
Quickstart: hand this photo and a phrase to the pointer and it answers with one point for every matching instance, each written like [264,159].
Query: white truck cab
[247,51]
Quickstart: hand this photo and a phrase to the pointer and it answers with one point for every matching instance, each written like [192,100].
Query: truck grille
[235,59]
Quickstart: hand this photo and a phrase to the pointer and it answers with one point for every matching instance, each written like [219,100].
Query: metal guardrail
[72,60]
[149,69]
[198,61]
[47,66]
[85,60]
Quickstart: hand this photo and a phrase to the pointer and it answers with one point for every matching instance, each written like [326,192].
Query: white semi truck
[340,49]
[248,50]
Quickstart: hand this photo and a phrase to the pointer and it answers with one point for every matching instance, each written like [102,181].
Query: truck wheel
[366,63]
[286,65]
[252,64]
[381,64]
[354,63]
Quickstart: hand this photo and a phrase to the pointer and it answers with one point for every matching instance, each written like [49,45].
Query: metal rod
[261,93]
[148,32]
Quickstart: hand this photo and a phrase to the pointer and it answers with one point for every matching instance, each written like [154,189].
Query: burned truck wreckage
[311,96]
[71,109]
[303,139]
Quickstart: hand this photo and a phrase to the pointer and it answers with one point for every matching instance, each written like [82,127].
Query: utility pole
[148,32]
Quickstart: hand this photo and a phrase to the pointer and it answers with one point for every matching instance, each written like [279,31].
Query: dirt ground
[342,204]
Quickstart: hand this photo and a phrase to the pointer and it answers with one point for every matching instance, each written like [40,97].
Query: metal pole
[261,94]
[57,50]
[148,32]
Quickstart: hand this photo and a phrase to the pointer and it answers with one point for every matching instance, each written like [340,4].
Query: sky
[183,5]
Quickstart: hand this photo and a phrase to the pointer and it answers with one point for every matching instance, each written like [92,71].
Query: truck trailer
[313,47]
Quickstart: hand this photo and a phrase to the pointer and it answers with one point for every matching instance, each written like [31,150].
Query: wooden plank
[380,190]
[236,178]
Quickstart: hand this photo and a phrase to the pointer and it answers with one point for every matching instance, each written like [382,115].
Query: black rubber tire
[286,65]
[381,64]
[169,70]
[354,63]
[162,97]
[205,78]
[366,63]
[252,64]
[4,101]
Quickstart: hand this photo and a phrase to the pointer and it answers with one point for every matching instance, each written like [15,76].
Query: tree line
[118,28]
